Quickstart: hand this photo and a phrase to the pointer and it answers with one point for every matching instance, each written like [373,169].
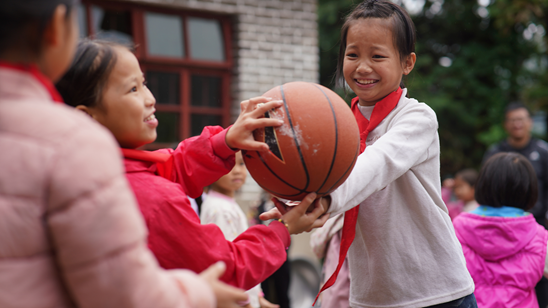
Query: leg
[281,284]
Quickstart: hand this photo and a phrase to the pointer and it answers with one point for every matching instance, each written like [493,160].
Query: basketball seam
[300,154]
[347,170]
[336,139]
[295,138]
[277,176]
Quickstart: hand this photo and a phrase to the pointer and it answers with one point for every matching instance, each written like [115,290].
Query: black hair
[402,28]
[86,77]
[22,23]
[507,179]
[515,106]
[469,175]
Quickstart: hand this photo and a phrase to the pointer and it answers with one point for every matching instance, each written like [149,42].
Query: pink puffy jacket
[71,234]
[505,256]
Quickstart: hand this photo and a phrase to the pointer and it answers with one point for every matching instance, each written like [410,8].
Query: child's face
[372,66]
[229,183]
[518,123]
[463,191]
[127,106]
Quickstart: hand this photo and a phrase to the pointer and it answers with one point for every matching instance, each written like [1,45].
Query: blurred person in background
[518,124]
[458,193]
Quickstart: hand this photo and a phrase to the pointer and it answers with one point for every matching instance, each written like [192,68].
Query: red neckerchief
[33,70]
[164,161]
[380,111]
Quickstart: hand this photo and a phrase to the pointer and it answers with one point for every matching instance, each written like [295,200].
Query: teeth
[150,117]
[365,81]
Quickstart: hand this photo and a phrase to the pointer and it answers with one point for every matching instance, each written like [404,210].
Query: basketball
[313,151]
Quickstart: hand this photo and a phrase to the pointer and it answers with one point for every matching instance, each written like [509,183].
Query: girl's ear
[409,63]
[58,43]
[86,110]
[53,33]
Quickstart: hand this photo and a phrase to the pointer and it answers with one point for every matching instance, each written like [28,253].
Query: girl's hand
[264,303]
[227,296]
[282,208]
[304,216]
[240,135]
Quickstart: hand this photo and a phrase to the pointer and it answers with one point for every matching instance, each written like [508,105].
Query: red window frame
[185,66]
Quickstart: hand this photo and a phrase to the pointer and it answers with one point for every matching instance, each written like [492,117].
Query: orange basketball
[313,151]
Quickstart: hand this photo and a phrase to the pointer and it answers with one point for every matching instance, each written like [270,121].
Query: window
[185,57]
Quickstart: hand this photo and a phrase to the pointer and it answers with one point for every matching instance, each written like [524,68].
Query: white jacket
[405,253]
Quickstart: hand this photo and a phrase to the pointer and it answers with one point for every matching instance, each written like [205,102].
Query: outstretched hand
[227,296]
[240,135]
[303,216]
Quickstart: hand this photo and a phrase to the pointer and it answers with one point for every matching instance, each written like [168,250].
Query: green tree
[472,60]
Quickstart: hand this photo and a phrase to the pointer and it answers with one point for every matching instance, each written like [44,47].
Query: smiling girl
[106,82]
[405,252]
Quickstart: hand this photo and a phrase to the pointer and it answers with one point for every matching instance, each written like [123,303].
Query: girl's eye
[351,55]
[134,89]
[145,83]
[378,57]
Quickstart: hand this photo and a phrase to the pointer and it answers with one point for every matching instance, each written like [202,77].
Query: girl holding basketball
[117,97]
[404,251]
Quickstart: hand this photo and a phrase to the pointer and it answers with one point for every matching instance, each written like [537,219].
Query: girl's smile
[365,82]
[151,120]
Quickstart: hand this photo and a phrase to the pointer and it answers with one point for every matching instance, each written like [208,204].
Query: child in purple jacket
[504,247]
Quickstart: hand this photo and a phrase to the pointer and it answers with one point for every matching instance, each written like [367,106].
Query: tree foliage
[472,60]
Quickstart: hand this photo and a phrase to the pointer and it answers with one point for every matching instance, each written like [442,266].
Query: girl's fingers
[243,105]
[305,203]
[272,214]
[319,222]
[214,271]
[251,104]
[263,122]
[318,209]
[254,146]
[263,107]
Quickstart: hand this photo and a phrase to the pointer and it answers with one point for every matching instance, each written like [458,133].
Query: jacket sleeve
[201,160]
[99,237]
[402,147]
[178,240]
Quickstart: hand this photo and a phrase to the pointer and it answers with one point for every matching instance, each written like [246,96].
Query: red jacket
[175,234]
